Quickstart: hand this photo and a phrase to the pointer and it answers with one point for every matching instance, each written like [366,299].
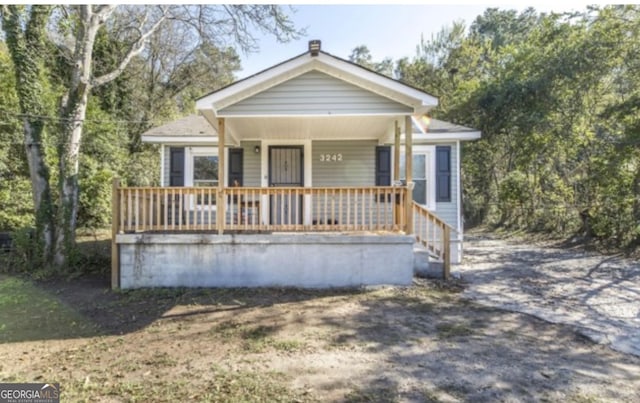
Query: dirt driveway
[597,295]
[421,343]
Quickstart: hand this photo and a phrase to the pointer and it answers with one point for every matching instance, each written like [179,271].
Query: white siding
[357,167]
[314,93]
[251,163]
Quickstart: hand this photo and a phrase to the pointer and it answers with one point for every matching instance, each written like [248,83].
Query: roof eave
[446,136]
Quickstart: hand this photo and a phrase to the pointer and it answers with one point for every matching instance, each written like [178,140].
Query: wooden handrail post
[446,248]
[115,219]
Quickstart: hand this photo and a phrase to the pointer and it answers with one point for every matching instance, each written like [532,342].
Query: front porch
[326,236]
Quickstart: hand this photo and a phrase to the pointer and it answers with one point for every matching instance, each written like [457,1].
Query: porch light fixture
[257,150]
[314,47]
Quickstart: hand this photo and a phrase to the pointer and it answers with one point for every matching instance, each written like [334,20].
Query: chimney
[314,47]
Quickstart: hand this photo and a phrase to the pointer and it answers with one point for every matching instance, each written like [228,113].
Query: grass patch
[449,330]
[160,359]
[457,391]
[29,313]
[254,339]
[223,386]
[582,398]
[375,394]
[252,386]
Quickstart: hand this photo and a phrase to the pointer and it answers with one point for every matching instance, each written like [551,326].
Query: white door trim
[264,174]
[430,175]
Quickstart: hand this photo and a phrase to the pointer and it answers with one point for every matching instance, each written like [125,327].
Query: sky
[387,30]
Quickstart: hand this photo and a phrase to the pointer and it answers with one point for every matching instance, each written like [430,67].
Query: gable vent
[314,47]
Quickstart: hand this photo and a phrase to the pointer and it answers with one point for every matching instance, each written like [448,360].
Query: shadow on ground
[117,312]
[420,343]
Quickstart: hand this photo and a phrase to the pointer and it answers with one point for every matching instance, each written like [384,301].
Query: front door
[286,170]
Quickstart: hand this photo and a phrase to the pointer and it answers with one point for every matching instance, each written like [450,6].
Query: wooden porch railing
[169,209]
[434,234]
[296,209]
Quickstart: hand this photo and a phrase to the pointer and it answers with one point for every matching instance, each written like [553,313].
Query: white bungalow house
[296,176]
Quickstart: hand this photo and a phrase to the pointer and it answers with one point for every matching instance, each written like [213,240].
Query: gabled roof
[324,62]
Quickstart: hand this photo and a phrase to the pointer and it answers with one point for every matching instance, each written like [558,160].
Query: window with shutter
[423,179]
[201,170]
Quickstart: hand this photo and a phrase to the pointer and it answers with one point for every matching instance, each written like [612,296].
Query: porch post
[221,214]
[396,154]
[396,172]
[115,220]
[408,149]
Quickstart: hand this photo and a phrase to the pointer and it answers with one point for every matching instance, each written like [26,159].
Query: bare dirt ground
[421,343]
[597,295]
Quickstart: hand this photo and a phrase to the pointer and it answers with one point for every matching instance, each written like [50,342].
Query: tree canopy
[556,97]
[144,61]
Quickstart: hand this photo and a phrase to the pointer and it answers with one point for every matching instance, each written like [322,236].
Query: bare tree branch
[103,12]
[134,50]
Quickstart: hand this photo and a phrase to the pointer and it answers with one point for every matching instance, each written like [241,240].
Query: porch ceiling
[317,128]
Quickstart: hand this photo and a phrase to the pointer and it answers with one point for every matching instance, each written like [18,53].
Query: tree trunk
[40,187]
[68,154]
[73,110]
[25,41]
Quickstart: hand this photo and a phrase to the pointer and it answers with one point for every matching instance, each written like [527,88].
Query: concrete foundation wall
[294,260]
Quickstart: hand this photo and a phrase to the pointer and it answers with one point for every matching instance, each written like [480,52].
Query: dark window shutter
[176,166]
[235,166]
[443,173]
[383,166]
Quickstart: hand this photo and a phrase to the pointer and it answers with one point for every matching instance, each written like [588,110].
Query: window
[205,173]
[205,170]
[201,170]
[422,171]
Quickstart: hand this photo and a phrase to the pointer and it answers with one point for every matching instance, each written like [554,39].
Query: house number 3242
[330,157]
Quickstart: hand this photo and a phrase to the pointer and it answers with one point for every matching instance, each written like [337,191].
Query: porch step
[425,264]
